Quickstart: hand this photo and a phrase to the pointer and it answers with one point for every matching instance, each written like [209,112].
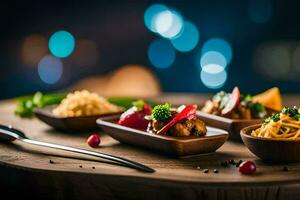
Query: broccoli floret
[162,112]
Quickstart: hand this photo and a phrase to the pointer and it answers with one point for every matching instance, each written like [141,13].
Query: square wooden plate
[68,124]
[175,146]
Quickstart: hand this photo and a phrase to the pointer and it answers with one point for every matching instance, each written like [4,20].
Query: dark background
[117,27]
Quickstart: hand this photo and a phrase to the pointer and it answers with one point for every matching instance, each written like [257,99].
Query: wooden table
[26,169]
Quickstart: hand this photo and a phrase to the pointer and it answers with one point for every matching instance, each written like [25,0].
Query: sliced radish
[233,102]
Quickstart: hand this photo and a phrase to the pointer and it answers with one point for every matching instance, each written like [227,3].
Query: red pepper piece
[189,112]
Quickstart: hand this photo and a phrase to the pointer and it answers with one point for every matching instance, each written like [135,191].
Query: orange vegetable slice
[271,98]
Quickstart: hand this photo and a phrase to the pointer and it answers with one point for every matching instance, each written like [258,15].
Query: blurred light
[213,68]
[34,48]
[124,82]
[213,80]
[50,69]
[213,57]
[273,60]
[260,11]
[219,45]
[163,21]
[187,39]
[61,44]
[151,13]
[168,23]
[86,53]
[161,53]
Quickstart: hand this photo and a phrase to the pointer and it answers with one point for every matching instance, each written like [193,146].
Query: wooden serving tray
[233,126]
[175,146]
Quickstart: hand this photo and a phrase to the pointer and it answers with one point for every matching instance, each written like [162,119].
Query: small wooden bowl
[173,146]
[272,150]
[233,126]
[68,124]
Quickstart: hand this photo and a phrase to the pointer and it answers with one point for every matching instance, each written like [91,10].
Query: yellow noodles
[286,128]
[84,103]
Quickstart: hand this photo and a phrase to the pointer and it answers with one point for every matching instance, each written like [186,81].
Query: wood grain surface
[74,176]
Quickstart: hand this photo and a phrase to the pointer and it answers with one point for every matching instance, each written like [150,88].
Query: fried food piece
[156,125]
[188,127]
[200,127]
[245,112]
[211,107]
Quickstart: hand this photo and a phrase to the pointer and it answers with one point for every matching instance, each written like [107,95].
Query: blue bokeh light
[61,44]
[161,53]
[219,45]
[151,13]
[187,39]
[213,57]
[50,69]
[260,11]
[213,80]
[168,24]
[213,68]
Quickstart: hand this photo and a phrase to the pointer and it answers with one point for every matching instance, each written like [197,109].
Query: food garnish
[162,112]
[176,122]
[236,106]
[94,140]
[26,104]
[134,117]
[281,126]
[247,167]
[84,103]
[189,113]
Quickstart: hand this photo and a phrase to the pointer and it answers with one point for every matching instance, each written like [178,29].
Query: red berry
[247,167]
[94,140]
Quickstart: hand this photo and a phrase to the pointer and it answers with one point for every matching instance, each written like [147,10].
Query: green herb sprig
[275,118]
[292,112]
[26,104]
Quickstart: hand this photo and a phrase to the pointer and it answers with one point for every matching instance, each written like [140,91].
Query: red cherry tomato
[94,140]
[247,167]
[233,102]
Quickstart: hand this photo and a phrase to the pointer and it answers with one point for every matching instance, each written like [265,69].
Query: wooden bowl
[269,149]
[68,124]
[173,146]
[233,126]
